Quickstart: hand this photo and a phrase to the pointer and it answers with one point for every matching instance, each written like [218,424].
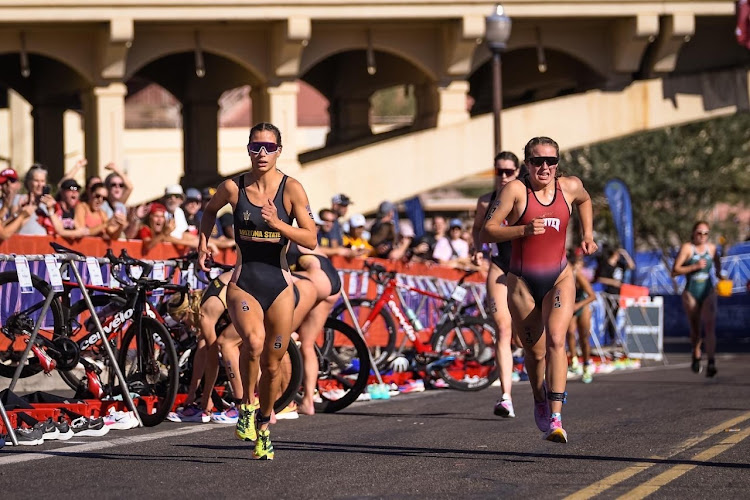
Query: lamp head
[497,29]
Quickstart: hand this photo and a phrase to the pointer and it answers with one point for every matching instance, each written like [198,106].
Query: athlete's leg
[211,309]
[229,343]
[527,323]
[247,317]
[309,332]
[708,316]
[278,330]
[557,310]
[584,331]
[692,310]
[497,299]
[571,337]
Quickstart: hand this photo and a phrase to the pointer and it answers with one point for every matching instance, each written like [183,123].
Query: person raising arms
[698,298]
[507,169]
[260,298]
[541,286]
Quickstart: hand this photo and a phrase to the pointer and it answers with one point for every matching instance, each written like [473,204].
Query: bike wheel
[381,334]
[292,374]
[150,370]
[343,366]
[83,332]
[19,313]
[466,347]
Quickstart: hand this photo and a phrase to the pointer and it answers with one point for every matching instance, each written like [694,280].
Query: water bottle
[414,320]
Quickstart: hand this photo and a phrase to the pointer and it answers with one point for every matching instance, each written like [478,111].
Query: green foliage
[393,102]
[676,176]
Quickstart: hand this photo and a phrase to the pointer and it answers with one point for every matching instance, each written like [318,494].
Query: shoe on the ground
[228,416]
[65,431]
[263,447]
[587,378]
[412,386]
[556,433]
[120,420]
[49,429]
[711,369]
[696,365]
[504,408]
[194,413]
[25,437]
[89,427]
[541,411]
[245,427]
[288,413]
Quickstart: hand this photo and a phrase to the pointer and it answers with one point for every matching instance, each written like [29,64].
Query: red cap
[157,207]
[8,174]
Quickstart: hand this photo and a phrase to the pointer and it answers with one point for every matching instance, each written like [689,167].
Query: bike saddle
[58,248]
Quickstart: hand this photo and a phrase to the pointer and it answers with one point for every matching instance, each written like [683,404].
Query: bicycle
[144,348]
[460,349]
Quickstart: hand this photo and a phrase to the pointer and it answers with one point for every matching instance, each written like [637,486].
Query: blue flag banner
[618,198]
[415,213]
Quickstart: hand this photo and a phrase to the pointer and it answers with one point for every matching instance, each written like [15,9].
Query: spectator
[223,231]
[71,174]
[157,228]
[452,250]
[67,199]
[610,273]
[355,240]
[173,198]
[90,181]
[35,182]
[439,229]
[192,209]
[119,189]
[328,241]
[340,205]
[384,236]
[91,215]
[11,219]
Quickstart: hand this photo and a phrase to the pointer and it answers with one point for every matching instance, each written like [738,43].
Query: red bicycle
[460,349]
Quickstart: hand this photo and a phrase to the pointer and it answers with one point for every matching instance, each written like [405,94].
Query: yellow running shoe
[245,428]
[263,447]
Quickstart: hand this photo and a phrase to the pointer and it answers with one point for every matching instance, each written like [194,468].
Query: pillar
[104,126]
[452,102]
[200,128]
[49,138]
[21,132]
[350,119]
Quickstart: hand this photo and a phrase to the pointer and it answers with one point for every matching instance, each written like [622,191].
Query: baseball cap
[385,208]
[157,207]
[70,185]
[174,189]
[208,192]
[456,223]
[341,199]
[357,220]
[192,194]
[8,175]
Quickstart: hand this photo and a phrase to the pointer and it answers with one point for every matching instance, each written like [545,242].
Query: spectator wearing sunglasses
[533,213]
[11,217]
[119,189]
[260,298]
[92,216]
[694,261]
[507,169]
[173,199]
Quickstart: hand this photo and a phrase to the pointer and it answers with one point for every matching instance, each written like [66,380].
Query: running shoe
[26,437]
[120,420]
[263,447]
[65,431]
[504,408]
[194,413]
[228,416]
[711,369]
[587,378]
[696,365]
[541,411]
[556,433]
[245,427]
[49,429]
[412,386]
[89,427]
[288,413]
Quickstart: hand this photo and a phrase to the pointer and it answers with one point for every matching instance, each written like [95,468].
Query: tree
[676,176]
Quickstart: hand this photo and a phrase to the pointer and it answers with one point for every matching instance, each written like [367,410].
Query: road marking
[620,476]
[100,445]
[670,475]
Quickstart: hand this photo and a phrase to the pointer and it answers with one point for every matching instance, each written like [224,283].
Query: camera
[46,190]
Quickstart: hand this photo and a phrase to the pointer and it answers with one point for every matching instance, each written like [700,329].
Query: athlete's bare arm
[306,234]
[483,204]
[508,205]
[679,266]
[575,193]
[227,192]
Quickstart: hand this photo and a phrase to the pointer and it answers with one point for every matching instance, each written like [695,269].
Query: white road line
[101,445]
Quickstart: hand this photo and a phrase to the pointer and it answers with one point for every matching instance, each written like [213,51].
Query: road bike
[460,349]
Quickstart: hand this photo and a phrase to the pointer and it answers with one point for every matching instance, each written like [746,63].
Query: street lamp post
[497,32]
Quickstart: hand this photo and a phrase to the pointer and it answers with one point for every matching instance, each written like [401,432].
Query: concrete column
[21,132]
[104,126]
[350,119]
[428,106]
[452,102]
[277,104]
[200,128]
[49,138]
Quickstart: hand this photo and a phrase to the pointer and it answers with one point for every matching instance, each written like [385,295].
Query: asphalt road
[660,430]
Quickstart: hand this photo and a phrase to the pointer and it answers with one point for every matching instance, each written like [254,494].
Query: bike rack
[67,259]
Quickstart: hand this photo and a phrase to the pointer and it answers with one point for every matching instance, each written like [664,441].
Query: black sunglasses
[507,172]
[538,161]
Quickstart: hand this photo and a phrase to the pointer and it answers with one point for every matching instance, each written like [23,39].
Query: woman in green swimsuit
[699,299]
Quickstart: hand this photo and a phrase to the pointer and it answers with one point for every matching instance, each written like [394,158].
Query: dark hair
[266,126]
[507,155]
[109,178]
[700,222]
[326,211]
[539,141]
[96,186]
